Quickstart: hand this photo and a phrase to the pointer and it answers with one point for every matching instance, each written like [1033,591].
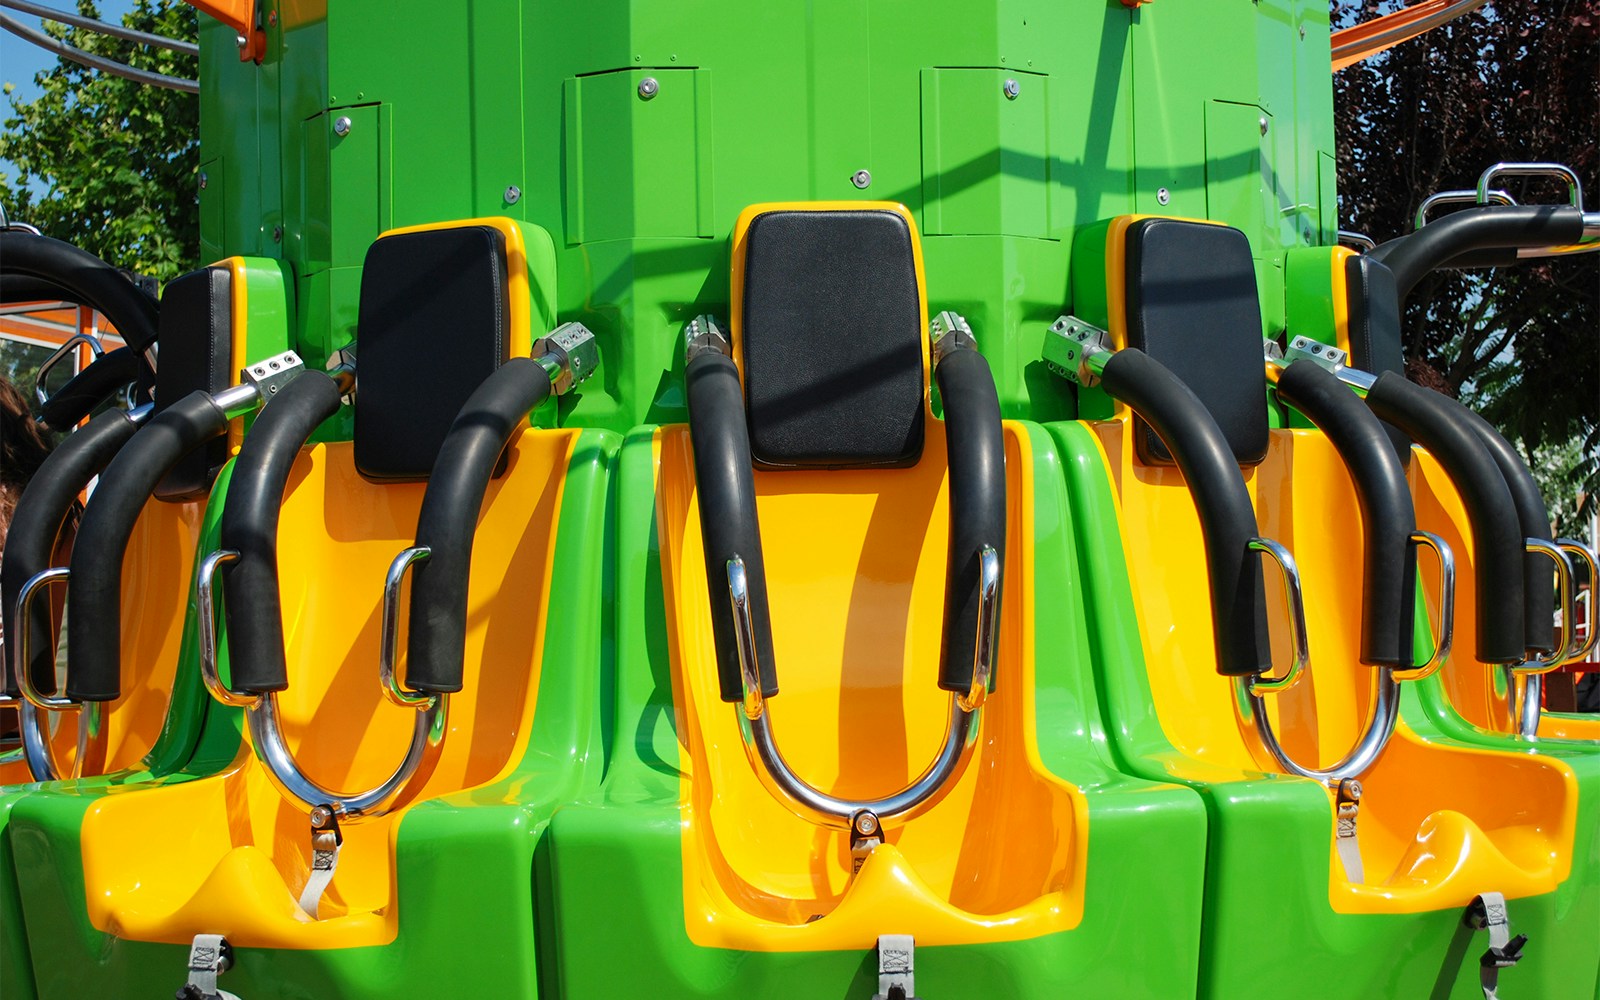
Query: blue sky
[20,61]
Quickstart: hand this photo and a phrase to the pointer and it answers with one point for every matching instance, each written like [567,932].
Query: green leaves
[108,164]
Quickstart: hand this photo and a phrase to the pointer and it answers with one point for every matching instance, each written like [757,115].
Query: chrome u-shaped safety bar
[1444,639]
[1385,709]
[1525,700]
[1584,650]
[36,707]
[61,353]
[266,727]
[813,805]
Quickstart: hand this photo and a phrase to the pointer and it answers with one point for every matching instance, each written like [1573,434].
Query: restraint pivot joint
[569,355]
[1076,350]
[948,332]
[703,335]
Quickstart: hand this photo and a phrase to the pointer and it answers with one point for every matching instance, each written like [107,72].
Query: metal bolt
[513,195]
[1163,196]
[273,365]
[240,41]
[861,178]
[866,823]
[1012,89]
[272,17]
[204,180]
[341,125]
[1263,123]
[277,234]
[1302,32]
[648,88]
[321,816]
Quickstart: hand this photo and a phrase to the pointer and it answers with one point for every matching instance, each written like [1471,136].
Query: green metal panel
[638,166]
[985,152]
[213,183]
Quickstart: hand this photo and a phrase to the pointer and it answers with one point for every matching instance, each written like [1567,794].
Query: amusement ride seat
[119,681]
[906,579]
[1441,826]
[314,599]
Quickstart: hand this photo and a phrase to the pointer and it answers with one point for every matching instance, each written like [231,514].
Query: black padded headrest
[831,336]
[1192,305]
[1373,305]
[195,334]
[434,323]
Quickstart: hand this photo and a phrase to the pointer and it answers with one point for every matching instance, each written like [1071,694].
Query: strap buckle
[210,956]
[1488,912]
[897,962]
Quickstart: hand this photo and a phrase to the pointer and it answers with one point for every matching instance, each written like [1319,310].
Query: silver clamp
[210,956]
[948,332]
[897,967]
[1330,358]
[1347,809]
[326,840]
[569,354]
[269,375]
[1076,350]
[704,336]
[1488,912]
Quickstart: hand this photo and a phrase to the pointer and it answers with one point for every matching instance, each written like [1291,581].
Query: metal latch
[1488,912]
[326,840]
[897,961]
[866,834]
[1347,809]
[210,956]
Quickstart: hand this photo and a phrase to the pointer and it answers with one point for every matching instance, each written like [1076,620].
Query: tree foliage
[1512,81]
[109,164]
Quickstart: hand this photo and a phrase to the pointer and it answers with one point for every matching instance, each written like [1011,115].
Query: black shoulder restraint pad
[434,323]
[1373,305]
[195,334]
[831,334]
[1192,305]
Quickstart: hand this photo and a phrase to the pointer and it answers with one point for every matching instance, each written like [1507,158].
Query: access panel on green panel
[985,153]
[638,150]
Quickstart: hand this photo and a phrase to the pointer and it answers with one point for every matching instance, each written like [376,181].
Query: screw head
[272,17]
[861,178]
[513,195]
[866,823]
[321,816]
[341,125]
[204,180]
[1302,32]
[1264,124]
[1012,88]
[648,88]
[277,234]
[1163,196]
[240,41]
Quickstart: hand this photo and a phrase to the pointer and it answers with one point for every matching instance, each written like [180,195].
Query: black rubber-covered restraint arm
[15,288]
[1492,227]
[94,629]
[1227,520]
[89,388]
[493,414]
[726,488]
[40,514]
[1538,597]
[87,279]
[253,603]
[1388,518]
[977,459]
[1434,421]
